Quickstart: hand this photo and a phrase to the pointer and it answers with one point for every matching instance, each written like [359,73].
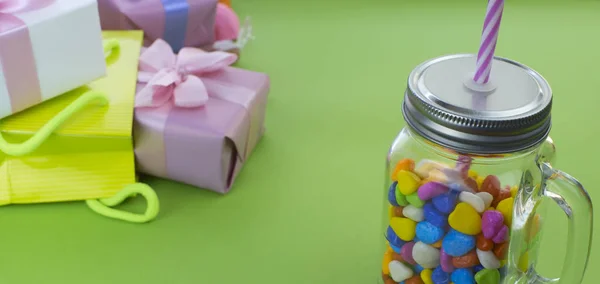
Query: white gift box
[47,48]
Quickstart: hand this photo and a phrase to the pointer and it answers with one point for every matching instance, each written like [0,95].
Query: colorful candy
[387,258]
[426,255]
[466,261]
[447,225]
[414,213]
[434,216]
[399,271]
[502,195]
[393,238]
[404,228]
[472,199]
[439,276]
[397,256]
[432,189]
[465,219]
[398,211]
[462,276]
[429,233]
[491,185]
[492,224]
[487,276]
[446,202]
[502,236]
[396,249]
[479,180]
[513,191]
[488,259]
[403,165]
[407,253]
[446,261]
[400,198]
[487,198]
[414,280]
[483,243]
[426,276]
[478,268]
[388,280]
[392,194]
[456,243]
[414,200]
[408,182]
[505,207]
[500,250]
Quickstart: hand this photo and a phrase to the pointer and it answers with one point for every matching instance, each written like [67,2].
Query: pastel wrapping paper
[203,146]
[91,156]
[179,22]
[47,47]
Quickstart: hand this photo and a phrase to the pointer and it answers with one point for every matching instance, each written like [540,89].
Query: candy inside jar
[447,224]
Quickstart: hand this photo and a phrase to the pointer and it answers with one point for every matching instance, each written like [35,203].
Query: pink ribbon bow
[177,77]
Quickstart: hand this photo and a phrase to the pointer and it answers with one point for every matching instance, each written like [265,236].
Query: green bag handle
[103,206]
[42,135]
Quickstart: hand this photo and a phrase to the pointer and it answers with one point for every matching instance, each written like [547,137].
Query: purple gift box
[196,120]
[179,22]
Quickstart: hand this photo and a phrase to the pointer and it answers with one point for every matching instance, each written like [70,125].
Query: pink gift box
[179,22]
[204,146]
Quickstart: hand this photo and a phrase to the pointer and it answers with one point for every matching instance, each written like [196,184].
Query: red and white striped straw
[489,37]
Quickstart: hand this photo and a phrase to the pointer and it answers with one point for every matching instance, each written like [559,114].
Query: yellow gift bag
[79,146]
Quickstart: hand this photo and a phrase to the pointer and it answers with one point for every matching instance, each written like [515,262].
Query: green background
[307,206]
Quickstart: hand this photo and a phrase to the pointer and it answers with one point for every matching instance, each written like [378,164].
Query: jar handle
[574,200]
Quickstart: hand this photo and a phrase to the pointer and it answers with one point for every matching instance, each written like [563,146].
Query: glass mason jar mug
[465,178]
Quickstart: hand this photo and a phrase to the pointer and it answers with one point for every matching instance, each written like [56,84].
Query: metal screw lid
[509,114]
